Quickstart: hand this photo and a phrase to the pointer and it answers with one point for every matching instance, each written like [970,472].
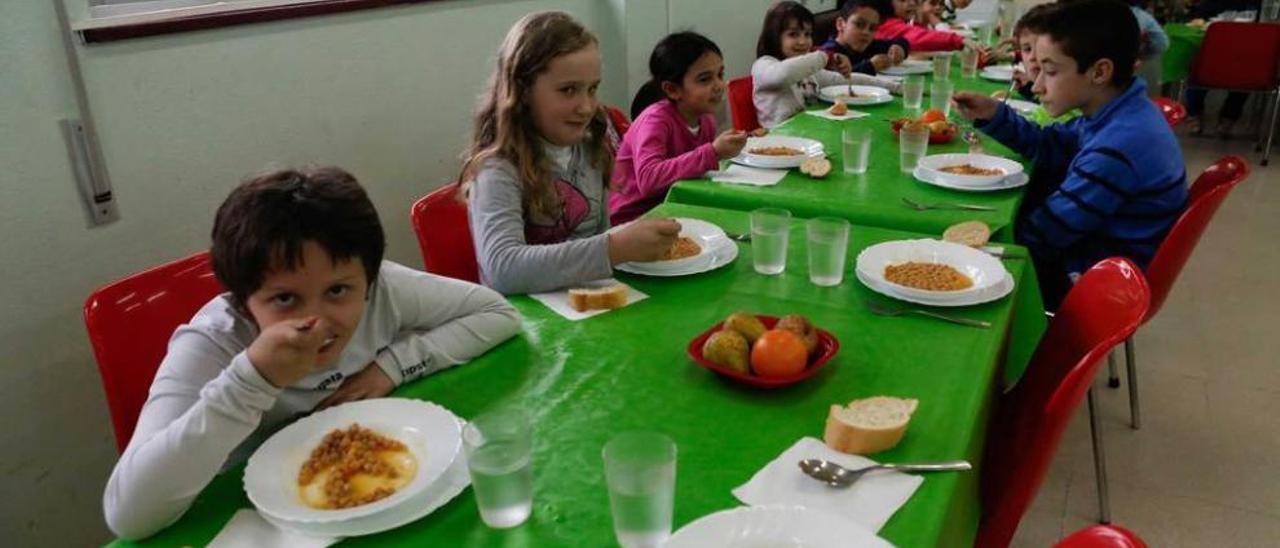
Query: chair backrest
[1173,111]
[1103,308]
[1240,56]
[130,322]
[619,120]
[1206,195]
[741,107]
[1102,536]
[444,237]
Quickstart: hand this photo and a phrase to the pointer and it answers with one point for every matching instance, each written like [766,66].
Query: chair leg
[1099,463]
[1131,366]
[1271,128]
[1113,378]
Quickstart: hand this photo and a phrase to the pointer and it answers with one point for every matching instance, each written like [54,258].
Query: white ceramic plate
[985,271]
[909,66]
[1000,73]
[864,95]
[717,250]
[454,481]
[932,165]
[769,526]
[996,292]
[1012,181]
[809,148]
[431,433]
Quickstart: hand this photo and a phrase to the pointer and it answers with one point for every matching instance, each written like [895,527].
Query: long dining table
[581,382]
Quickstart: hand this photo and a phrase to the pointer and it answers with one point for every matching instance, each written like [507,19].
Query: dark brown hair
[775,21]
[1089,31]
[263,224]
[1033,20]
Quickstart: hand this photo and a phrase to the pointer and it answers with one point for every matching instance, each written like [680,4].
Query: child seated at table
[788,72]
[856,25]
[1025,32]
[897,20]
[674,133]
[313,317]
[1126,182]
[539,163]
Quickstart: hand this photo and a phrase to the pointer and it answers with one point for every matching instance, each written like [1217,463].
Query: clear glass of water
[941,65]
[968,63]
[856,148]
[769,229]
[497,448]
[940,95]
[913,143]
[913,91]
[640,468]
[985,32]
[828,244]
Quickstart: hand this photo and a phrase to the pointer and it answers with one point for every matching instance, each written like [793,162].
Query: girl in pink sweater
[897,20]
[674,133]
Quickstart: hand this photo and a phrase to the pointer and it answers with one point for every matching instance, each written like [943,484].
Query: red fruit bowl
[936,138]
[827,348]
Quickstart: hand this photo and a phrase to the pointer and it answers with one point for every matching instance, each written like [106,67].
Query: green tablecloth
[1184,43]
[581,382]
[875,197]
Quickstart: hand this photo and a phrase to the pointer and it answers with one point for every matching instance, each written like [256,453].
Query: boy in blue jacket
[1126,181]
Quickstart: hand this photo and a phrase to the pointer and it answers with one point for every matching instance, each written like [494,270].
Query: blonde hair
[504,126]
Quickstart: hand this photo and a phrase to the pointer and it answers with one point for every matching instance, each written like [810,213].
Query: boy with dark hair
[856,26]
[1126,181]
[313,317]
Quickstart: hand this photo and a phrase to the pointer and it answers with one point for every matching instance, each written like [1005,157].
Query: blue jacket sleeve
[1097,185]
[1048,147]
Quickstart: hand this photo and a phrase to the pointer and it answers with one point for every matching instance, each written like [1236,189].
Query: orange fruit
[933,115]
[778,353]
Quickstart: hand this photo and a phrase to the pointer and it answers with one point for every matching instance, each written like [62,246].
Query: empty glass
[968,62]
[640,468]
[497,448]
[940,96]
[941,65]
[828,244]
[912,91]
[856,148]
[913,143]
[769,229]
[985,31]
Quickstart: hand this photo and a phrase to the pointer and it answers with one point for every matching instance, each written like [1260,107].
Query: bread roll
[868,426]
[970,233]
[584,299]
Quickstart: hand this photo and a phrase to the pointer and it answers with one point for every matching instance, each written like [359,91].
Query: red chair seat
[1102,536]
[1173,111]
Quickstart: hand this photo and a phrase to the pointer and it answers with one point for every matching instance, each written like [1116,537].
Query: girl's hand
[643,240]
[896,54]
[370,382]
[975,106]
[287,351]
[729,143]
[839,63]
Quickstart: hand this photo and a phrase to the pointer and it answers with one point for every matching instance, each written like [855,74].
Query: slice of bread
[869,425]
[970,233]
[584,298]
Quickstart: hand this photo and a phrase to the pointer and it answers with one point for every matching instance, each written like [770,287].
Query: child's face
[1060,85]
[797,39]
[702,89]
[1027,47]
[930,7]
[563,97]
[857,31]
[333,291]
[905,9]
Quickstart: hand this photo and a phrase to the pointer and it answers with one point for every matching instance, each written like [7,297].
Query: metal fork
[738,237]
[944,205]
[881,310]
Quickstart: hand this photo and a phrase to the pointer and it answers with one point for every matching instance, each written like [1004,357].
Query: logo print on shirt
[574,209]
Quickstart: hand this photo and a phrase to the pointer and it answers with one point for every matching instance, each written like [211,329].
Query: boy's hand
[839,63]
[643,240]
[896,54]
[729,143]
[975,106]
[1021,77]
[370,382]
[881,61]
[287,351]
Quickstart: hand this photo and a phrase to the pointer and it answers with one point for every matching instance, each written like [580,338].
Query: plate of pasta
[778,151]
[701,246]
[933,272]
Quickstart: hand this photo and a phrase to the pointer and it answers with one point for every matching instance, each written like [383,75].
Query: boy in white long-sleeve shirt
[313,317]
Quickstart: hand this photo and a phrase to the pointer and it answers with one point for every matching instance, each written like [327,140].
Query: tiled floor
[1202,471]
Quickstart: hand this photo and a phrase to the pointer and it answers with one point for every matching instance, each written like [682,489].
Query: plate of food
[778,151]
[1012,181]
[909,66]
[999,73]
[400,447]
[764,351]
[937,272]
[969,170]
[774,525]
[855,95]
[701,246]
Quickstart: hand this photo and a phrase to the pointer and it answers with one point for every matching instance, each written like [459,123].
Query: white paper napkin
[247,529]
[826,113]
[743,175]
[871,501]
[558,301]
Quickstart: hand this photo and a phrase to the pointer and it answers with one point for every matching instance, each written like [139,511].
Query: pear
[728,348]
[745,324]
[801,326]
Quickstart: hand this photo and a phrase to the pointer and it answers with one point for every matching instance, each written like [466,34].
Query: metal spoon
[835,475]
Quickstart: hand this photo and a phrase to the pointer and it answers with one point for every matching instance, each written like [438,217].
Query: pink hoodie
[658,150]
[920,38]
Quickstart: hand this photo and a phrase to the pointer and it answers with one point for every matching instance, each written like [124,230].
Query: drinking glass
[912,91]
[497,446]
[985,31]
[640,469]
[856,149]
[941,65]
[968,62]
[769,229]
[940,96]
[828,244]
[913,143]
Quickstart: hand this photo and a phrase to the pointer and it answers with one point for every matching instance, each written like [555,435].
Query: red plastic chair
[1102,309]
[444,237]
[1241,57]
[1102,536]
[741,107]
[1173,111]
[130,322]
[619,120]
[1206,195]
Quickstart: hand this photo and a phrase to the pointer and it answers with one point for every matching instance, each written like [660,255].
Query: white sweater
[209,408]
[780,88]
